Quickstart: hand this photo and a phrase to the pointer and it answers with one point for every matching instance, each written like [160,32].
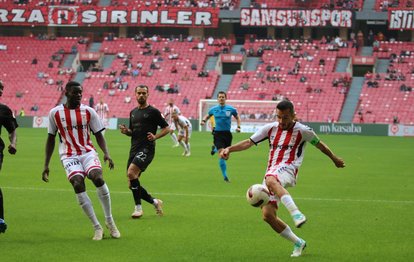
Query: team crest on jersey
[228,113]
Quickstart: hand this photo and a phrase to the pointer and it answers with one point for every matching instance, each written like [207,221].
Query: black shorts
[141,158]
[222,139]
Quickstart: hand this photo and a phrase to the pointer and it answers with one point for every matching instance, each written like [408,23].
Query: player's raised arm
[339,162]
[240,146]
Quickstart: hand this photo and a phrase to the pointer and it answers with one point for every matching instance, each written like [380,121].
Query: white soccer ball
[257,195]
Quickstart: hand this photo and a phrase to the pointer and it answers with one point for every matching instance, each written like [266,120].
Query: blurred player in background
[184,127]
[102,109]
[7,120]
[74,122]
[222,136]
[168,111]
[143,124]
[287,139]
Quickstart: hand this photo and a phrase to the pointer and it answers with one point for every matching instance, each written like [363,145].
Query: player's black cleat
[3,226]
[227,180]
[213,150]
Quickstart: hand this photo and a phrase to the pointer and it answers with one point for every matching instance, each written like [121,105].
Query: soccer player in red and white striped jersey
[168,112]
[74,122]
[102,109]
[287,140]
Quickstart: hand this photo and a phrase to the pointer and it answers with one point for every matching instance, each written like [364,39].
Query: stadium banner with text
[400,130]
[296,17]
[90,56]
[109,16]
[232,58]
[350,129]
[400,19]
[363,60]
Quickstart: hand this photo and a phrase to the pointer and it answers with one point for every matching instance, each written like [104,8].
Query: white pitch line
[409,202]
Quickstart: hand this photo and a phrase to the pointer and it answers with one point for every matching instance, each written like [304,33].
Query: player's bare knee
[78,184]
[96,177]
[267,216]
[132,175]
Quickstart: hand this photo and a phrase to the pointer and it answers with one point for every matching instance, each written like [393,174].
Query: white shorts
[285,174]
[182,132]
[81,165]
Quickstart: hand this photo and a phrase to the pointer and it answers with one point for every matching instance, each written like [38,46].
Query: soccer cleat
[137,213]
[176,145]
[213,150]
[184,153]
[299,219]
[188,154]
[113,230]
[298,248]
[3,226]
[226,179]
[158,207]
[98,234]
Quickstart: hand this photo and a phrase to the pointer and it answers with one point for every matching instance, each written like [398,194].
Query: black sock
[135,188]
[147,197]
[1,205]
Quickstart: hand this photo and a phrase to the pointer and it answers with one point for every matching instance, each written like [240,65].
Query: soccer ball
[257,195]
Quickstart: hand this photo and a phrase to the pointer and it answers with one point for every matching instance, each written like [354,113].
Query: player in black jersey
[144,121]
[7,120]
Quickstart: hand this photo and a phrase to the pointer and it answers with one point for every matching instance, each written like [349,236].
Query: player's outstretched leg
[105,199]
[175,140]
[136,192]
[86,205]
[223,168]
[298,217]
[213,150]
[188,149]
[279,226]
[298,248]
[158,206]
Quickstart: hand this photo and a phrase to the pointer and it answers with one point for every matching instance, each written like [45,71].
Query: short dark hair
[71,84]
[222,92]
[142,86]
[1,84]
[286,104]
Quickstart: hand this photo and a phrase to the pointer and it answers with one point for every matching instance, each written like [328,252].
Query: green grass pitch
[361,213]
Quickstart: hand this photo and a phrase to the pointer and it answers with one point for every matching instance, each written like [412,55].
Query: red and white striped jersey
[168,113]
[74,127]
[102,110]
[286,146]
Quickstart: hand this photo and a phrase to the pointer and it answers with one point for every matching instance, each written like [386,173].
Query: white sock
[288,202]
[183,145]
[288,234]
[105,199]
[155,202]
[138,207]
[86,205]
[174,138]
[188,147]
